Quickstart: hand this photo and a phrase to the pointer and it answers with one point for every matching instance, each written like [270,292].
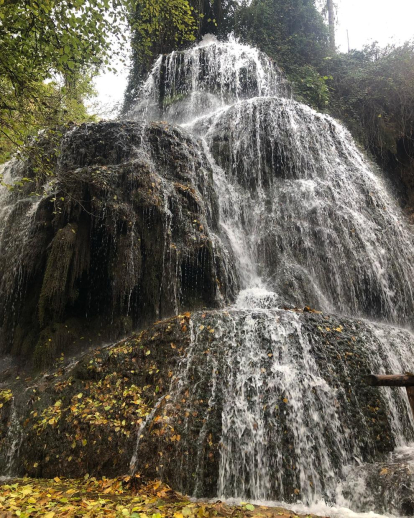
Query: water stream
[308,221]
[14,439]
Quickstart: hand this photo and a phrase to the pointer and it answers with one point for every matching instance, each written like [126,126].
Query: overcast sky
[385,21]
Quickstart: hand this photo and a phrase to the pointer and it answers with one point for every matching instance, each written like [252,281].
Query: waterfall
[301,208]
[224,196]
[185,85]
[309,223]
[13,439]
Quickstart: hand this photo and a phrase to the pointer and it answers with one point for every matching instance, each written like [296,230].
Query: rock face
[200,401]
[123,236]
[384,487]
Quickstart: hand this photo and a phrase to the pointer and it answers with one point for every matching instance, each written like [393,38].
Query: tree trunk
[331,19]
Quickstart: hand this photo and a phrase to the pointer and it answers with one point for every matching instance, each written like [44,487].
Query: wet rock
[319,221]
[184,85]
[123,236]
[386,487]
[261,404]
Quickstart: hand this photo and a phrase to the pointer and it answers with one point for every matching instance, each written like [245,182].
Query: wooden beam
[393,380]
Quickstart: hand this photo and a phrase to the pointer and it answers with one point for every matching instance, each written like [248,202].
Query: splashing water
[307,220]
[185,85]
[141,430]
[14,439]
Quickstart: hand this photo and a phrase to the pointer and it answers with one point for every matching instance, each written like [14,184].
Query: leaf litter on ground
[123,497]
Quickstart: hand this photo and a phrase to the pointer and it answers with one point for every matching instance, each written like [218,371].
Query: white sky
[110,88]
[385,21]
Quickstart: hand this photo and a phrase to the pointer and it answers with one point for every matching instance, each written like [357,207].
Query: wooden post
[396,380]
[410,394]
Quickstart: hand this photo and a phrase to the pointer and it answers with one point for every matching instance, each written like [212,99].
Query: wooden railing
[394,380]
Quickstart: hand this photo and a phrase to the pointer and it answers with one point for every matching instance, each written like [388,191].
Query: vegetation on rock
[372,91]
[50,52]
[125,238]
[84,420]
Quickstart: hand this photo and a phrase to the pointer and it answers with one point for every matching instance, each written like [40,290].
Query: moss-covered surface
[125,239]
[85,420]
[124,497]
[169,386]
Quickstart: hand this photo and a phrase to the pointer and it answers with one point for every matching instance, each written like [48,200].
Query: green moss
[172,99]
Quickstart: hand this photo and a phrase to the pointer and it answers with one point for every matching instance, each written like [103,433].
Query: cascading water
[185,85]
[256,195]
[14,439]
[309,222]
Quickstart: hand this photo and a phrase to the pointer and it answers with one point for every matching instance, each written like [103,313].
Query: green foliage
[294,34]
[50,49]
[372,90]
[310,86]
[42,105]
[291,32]
[162,24]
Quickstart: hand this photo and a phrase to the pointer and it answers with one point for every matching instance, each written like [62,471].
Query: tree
[372,91]
[48,48]
[331,20]
[294,34]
